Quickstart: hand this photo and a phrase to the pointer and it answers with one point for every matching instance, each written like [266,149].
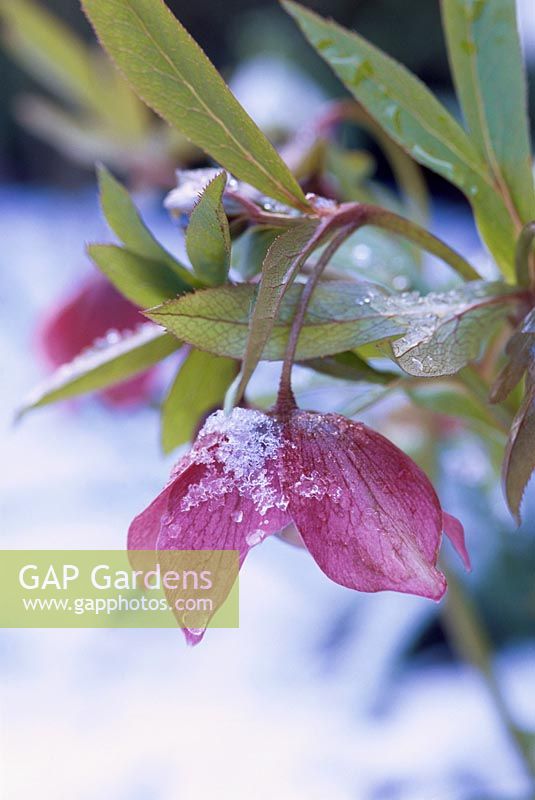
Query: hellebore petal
[91,312]
[367,513]
[228,497]
[455,533]
[224,495]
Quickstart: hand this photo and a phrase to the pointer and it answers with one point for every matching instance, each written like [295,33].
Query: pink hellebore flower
[366,512]
[92,312]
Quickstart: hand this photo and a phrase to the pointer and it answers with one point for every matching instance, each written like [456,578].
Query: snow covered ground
[307,700]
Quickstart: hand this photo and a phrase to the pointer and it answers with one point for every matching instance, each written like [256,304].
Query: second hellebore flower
[93,311]
[365,511]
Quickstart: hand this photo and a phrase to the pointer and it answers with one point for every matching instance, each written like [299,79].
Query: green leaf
[486,59]
[520,351]
[146,283]
[349,366]
[413,117]
[81,138]
[451,401]
[401,103]
[407,174]
[123,218]
[350,169]
[519,460]
[128,120]
[198,388]
[56,57]
[448,330]
[173,75]
[341,316]
[104,366]
[374,253]
[49,51]
[208,235]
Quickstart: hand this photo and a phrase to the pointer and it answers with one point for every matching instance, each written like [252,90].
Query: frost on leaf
[446,330]
[191,183]
[110,359]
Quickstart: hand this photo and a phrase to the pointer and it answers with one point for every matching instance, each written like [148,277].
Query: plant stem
[285,397]
[470,639]
[523,255]
[367,214]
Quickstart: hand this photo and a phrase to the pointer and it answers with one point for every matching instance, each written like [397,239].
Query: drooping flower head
[366,512]
[92,312]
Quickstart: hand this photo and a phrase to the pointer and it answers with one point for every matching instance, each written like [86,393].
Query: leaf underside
[343,316]
[416,120]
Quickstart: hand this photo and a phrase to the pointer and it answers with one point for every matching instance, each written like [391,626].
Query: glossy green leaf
[413,117]
[173,75]
[519,460]
[123,218]
[104,365]
[208,235]
[486,59]
[372,253]
[199,388]
[146,283]
[405,108]
[449,330]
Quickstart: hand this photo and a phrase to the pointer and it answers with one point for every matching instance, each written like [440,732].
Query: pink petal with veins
[225,494]
[367,513]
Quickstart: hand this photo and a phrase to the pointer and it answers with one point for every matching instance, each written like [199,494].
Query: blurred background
[321,692]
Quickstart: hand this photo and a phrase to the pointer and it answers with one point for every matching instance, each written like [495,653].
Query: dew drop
[362,255]
[254,538]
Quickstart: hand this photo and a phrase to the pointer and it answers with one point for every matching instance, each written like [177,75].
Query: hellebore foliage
[280,274]
[89,112]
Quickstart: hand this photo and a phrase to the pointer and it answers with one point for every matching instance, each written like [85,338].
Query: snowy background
[321,693]
[314,696]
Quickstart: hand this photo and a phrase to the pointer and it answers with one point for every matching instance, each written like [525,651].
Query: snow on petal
[367,513]
[224,495]
[229,497]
